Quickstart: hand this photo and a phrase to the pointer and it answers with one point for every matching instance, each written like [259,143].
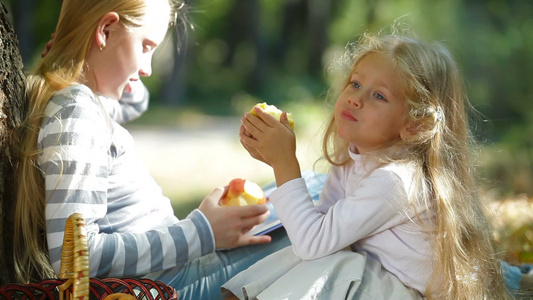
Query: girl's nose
[355,102]
[146,66]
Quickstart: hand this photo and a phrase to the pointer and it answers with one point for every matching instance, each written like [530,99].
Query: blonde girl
[77,158]
[400,192]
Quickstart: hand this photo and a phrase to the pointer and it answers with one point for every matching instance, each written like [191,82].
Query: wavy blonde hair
[61,67]
[465,263]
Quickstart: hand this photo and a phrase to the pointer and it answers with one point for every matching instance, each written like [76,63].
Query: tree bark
[12,108]
[244,27]
[319,12]
[23,12]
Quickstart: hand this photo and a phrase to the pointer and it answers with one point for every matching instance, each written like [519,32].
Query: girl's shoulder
[400,168]
[77,93]
[77,100]
[403,173]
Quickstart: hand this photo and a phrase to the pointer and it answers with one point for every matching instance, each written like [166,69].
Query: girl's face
[370,111]
[127,54]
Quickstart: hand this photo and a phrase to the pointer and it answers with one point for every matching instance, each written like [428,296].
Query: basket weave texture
[74,281]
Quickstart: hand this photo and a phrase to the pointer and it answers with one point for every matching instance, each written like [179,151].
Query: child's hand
[268,139]
[48,46]
[272,142]
[231,223]
[252,151]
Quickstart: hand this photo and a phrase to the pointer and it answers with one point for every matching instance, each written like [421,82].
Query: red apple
[241,192]
[273,111]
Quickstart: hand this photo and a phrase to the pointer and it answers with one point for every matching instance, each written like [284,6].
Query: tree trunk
[293,24]
[319,12]
[244,29]
[12,110]
[23,12]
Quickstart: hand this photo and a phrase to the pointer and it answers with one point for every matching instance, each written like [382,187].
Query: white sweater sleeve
[333,189]
[375,206]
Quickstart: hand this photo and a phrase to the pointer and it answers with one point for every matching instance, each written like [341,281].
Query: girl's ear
[409,130]
[413,131]
[104,28]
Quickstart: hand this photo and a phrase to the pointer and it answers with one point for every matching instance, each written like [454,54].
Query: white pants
[342,275]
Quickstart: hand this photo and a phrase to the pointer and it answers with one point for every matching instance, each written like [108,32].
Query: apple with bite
[273,111]
[241,192]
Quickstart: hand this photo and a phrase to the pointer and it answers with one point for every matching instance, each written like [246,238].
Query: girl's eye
[356,85]
[379,96]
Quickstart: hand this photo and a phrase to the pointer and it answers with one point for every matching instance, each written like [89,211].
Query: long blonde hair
[465,263]
[61,67]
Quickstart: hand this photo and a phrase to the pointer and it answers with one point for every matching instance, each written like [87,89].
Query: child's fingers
[253,152]
[247,138]
[244,132]
[252,240]
[284,119]
[252,214]
[212,199]
[252,124]
[267,118]
[249,143]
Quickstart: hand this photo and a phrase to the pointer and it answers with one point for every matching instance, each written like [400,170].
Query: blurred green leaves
[241,52]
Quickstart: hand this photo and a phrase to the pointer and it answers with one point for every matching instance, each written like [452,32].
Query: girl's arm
[131,105]
[333,190]
[319,231]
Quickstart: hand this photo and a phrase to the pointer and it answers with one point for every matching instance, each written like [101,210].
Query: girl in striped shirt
[76,157]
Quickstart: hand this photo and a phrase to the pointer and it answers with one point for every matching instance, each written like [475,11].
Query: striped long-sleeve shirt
[90,166]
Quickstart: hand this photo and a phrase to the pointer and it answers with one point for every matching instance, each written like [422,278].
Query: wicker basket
[74,281]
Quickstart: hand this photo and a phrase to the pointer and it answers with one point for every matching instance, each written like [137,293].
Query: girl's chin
[344,134]
[109,92]
[117,94]
[114,95]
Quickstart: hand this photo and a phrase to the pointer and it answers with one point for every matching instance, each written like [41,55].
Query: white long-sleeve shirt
[364,206]
[90,166]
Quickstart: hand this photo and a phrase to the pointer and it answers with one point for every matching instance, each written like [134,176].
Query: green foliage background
[244,51]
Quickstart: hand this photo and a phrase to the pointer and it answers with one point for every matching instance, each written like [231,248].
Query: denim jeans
[201,278]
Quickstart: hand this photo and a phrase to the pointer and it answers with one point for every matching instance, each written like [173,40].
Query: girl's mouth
[347,115]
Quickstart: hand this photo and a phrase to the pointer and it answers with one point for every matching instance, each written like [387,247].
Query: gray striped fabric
[130,106]
[90,166]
